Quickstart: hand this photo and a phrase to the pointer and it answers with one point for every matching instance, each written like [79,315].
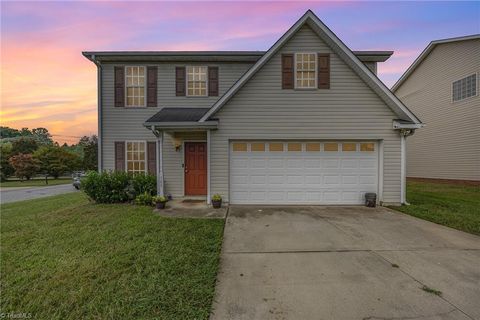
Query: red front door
[195,168]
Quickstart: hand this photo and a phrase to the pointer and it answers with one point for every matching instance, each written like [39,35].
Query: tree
[42,136]
[6,168]
[55,160]
[24,145]
[6,132]
[90,152]
[24,165]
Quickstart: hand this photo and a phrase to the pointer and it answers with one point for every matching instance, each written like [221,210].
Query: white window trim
[145,150]
[295,71]
[186,82]
[464,99]
[144,87]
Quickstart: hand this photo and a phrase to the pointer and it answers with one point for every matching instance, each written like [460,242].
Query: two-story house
[306,122]
[441,86]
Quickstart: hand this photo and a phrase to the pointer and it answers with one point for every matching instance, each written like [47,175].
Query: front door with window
[195,168]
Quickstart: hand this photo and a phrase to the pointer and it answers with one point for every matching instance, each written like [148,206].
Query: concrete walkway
[344,263]
[26,193]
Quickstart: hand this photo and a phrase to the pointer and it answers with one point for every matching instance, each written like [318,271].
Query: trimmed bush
[107,187]
[144,199]
[144,183]
[112,187]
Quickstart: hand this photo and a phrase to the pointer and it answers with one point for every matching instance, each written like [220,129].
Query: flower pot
[160,205]
[217,203]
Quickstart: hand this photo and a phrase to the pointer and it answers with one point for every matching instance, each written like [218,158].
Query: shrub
[144,183]
[144,199]
[107,187]
[216,197]
[157,199]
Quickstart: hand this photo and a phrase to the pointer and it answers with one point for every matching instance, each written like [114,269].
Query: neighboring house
[306,122]
[441,87]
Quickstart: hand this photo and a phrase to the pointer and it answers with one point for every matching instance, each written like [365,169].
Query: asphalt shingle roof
[178,115]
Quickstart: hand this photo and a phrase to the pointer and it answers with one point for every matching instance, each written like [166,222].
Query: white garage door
[310,172]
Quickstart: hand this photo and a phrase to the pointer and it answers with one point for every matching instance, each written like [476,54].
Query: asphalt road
[18,194]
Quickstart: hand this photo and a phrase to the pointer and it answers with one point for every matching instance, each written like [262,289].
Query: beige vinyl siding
[449,145]
[121,124]
[350,110]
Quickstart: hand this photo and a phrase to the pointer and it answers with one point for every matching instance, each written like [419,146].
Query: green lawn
[35,182]
[65,258]
[455,206]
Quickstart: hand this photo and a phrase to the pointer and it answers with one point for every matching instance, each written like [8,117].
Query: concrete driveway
[344,263]
[26,193]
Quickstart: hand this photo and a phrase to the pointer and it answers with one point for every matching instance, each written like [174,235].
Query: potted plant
[160,202]
[217,201]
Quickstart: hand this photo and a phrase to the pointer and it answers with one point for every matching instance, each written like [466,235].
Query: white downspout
[208,168]
[99,111]
[404,133]
[403,175]
[159,149]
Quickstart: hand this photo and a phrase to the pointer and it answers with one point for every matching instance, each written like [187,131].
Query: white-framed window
[464,88]
[305,70]
[197,81]
[136,157]
[135,86]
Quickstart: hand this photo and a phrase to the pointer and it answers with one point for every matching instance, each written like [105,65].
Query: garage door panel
[331,163]
[275,163]
[313,179]
[258,179]
[330,180]
[349,180]
[313,163]
[302,177]
[258,163]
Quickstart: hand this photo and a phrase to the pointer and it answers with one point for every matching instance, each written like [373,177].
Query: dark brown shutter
[180,81]
[151,86]
[287,71]
[119,87]
[152,157]
[119,156]
[213,81]
[323,71]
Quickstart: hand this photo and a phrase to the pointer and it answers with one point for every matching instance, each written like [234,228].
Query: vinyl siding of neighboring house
[123,124]
[448,147]
[348,110]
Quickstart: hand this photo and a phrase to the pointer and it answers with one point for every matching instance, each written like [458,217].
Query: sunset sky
[46,82]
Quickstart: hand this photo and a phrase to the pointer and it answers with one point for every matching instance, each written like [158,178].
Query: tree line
[25,153]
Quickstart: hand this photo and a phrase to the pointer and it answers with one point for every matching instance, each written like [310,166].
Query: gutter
[399,125]
[186,124]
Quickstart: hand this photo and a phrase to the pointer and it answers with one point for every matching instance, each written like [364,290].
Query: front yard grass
[63,257]
[37,182]
[451,205]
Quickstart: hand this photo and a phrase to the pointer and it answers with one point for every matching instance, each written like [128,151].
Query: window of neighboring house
[135,85]
[136,157]
[464,88]
[305,70]
[196,81]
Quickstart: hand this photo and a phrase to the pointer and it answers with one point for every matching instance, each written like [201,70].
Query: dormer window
[196,81]
[305,70]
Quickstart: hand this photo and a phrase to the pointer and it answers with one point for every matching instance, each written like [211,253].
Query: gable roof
[425,53]
[340,48]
